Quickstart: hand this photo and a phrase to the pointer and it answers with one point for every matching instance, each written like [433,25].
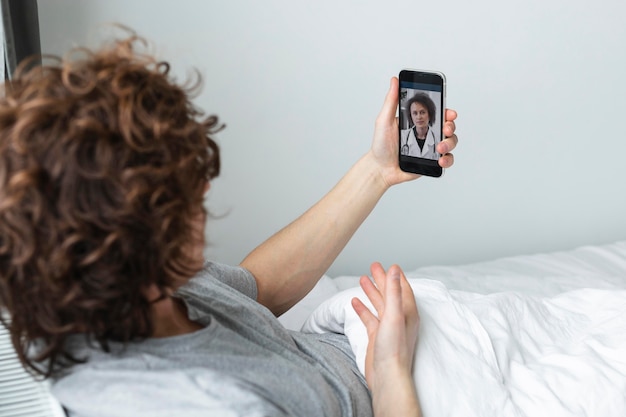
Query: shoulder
[228,292]
[235,277]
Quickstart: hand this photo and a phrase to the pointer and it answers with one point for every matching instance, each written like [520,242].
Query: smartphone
[421,107]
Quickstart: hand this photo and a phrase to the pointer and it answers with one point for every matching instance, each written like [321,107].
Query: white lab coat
[407,138]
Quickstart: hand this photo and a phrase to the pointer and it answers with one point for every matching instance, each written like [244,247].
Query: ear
[154,294]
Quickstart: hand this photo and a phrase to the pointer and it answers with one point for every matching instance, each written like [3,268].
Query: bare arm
[290,263]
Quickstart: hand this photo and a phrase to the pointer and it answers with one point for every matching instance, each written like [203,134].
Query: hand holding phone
[421,107]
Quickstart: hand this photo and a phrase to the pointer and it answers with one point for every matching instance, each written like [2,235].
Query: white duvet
[507,353]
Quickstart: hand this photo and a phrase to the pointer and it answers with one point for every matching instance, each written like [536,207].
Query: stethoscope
[405,147]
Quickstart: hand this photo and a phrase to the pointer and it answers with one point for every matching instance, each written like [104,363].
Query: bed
[527,335]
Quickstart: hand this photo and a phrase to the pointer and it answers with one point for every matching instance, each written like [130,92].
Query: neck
[421,132]
[170,318]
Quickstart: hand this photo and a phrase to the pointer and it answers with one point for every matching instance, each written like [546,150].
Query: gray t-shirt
[242,363]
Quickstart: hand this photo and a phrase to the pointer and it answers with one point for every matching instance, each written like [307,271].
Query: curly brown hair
[103,163]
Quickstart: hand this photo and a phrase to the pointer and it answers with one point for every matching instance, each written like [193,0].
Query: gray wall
[539,86]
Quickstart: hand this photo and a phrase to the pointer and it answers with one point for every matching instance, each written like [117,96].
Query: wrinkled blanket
[507,353]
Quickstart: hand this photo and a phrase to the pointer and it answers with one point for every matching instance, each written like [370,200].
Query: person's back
[243,362]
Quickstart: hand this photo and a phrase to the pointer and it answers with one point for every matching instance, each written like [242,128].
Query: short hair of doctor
[427,102]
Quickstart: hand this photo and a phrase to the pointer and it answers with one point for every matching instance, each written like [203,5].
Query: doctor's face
[419,115]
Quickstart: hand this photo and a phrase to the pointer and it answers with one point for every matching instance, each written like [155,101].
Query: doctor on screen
[420,140]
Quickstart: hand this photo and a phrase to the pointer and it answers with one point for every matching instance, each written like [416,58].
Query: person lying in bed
[104,162]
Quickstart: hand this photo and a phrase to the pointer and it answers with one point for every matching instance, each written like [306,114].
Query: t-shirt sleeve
[235,277]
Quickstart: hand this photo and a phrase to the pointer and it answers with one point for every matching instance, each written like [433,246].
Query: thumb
[388,112]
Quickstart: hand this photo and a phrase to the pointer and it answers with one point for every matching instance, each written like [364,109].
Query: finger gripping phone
[421,107]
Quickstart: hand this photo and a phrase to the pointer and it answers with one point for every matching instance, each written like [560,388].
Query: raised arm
[288,264]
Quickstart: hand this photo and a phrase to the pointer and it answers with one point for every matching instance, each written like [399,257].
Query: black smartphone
[421,107]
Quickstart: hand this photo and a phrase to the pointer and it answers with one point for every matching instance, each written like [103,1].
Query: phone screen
[420,121]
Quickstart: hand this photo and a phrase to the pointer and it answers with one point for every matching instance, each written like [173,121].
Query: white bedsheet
[507,353]
[546,274]
[541,274]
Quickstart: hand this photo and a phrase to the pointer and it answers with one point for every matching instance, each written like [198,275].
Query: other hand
[392,333]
